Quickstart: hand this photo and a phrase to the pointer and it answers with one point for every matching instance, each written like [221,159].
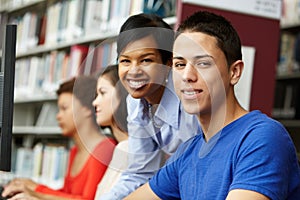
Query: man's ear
[236,70]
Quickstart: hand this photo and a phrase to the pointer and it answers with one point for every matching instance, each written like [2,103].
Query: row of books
[286,104]
[67,20]
[289,54]
[290,12]
[5,177]
[45,164]
[9,4]
[42,75]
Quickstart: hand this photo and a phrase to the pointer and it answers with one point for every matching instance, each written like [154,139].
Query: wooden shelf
[63,45]
[293,123]
[289,26]
[295,75]
[109,35]
[33,130]
[24,5]
[34,99]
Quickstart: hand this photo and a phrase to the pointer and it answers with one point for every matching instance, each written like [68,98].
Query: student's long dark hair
[141,25]
[120,114]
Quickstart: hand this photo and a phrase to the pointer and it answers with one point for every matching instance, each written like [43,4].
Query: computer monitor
[7,79]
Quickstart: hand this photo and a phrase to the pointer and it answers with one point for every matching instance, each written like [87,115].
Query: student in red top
[88,158]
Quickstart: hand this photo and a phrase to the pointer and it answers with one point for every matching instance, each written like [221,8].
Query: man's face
[201,76]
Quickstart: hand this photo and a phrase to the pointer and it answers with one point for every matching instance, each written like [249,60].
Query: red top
[83,186]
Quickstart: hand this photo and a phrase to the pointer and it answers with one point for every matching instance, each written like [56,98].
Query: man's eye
[203,64]
[179,65]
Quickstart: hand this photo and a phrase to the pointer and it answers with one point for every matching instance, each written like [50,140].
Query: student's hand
[18,185]
[23,196]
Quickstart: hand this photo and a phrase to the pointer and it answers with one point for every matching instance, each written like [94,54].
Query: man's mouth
[191,94]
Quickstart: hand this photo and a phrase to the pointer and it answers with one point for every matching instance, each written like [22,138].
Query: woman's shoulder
[104,150]
[107,143]
[123,145]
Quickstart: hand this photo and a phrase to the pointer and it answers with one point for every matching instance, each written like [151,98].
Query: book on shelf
[81,14]
[49,81]
[160,7]
[106,54]
[3,22]
[78,54]
[24,162]
[63,20]
[105,13]
[52,24]
[33,73]
[44,163]
[89,59]
[296,100]
[135,7]
[37,154]
[93,20]
[288,110]
[55,69]
[286,54]
[296,54]
[41,29]
[24,115]
[54,163]
[96,59]
[290,12]
[65,66]
[47,115]
[286,101]
[100,56]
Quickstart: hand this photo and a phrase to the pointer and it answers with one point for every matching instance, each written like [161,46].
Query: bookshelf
[287,91]
[78,38]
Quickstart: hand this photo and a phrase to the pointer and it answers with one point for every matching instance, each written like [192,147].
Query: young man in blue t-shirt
[237,154]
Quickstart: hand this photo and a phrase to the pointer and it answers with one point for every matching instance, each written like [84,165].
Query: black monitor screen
[7,77]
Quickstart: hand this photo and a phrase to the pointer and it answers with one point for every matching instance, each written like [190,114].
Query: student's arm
[144,157]
[143,162]
[245,195]
[144,192]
